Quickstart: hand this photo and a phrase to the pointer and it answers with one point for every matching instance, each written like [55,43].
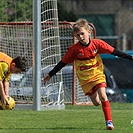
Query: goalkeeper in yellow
[89,66]
[8,66]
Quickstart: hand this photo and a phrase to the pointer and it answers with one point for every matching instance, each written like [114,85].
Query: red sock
[107,110]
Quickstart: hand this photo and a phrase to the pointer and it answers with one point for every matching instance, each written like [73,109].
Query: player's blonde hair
[79,24]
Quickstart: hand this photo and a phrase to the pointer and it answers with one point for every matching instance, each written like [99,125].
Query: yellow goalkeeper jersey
[5,61]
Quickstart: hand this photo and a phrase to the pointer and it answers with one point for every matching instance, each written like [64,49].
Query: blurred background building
[112,19]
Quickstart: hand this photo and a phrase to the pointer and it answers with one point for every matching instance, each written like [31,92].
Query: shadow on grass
[55,128]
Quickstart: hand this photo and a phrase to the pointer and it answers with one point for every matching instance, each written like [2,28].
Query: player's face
[83,35]
[14,69]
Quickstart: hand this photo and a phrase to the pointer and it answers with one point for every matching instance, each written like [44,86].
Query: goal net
[16,39]
[19,43]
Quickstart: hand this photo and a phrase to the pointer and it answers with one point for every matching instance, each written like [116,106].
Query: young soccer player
[89,66]
[8,66]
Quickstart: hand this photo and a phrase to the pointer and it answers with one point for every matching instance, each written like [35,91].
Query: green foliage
[21,10]
[16,10]
[74,119]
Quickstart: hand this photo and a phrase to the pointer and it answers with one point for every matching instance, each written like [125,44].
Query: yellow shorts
[91,91]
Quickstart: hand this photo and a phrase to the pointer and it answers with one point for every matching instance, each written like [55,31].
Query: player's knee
[97,103]
[103,98]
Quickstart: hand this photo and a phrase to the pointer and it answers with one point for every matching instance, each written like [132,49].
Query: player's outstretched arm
[122,54]
[57,68]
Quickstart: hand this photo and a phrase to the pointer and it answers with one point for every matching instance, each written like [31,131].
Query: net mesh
[19,42]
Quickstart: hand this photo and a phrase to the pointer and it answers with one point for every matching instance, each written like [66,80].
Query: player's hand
[4,100]
[46,78]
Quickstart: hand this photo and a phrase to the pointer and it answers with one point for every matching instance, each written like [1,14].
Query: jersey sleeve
[3,70]
[70,55]
[57,68]
[8,77]
[122,54]
[104,47]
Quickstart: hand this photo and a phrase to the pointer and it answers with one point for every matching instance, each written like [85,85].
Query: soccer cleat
[109,125]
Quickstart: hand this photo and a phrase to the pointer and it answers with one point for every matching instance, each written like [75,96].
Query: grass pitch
[74,119]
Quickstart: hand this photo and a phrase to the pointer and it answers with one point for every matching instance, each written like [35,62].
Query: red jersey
[88,63]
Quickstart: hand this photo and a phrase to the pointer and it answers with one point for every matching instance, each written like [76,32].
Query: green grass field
[74,119]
